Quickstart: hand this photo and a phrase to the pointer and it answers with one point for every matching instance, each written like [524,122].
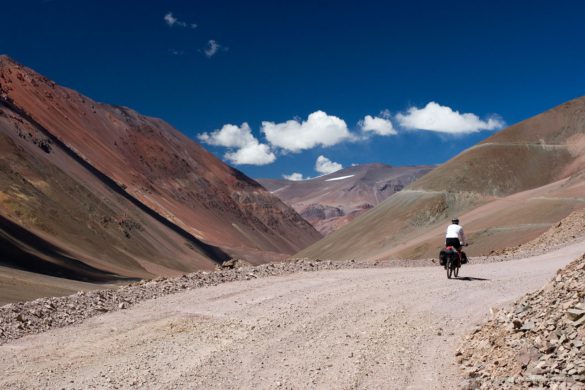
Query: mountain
[92,191]
[331,201]
[507,190]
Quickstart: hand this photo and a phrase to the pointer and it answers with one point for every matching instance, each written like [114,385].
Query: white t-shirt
[455,231]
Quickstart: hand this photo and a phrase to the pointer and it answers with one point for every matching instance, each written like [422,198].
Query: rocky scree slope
[538,342]
[566,231]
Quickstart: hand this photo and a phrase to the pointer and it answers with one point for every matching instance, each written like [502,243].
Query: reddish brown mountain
[331,201]
[89,190]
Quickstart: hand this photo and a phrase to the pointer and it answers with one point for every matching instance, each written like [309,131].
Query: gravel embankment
[537,342]
[568,230]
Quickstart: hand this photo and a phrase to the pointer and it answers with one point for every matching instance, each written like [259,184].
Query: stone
[575,314]
[579,322]
[517,323]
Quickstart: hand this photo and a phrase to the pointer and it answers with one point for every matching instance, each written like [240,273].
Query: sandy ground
[394,328]
[17,285]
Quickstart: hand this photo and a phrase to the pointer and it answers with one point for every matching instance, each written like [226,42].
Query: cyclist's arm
[463,240]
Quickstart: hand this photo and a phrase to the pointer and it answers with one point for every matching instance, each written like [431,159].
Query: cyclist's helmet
[455,220]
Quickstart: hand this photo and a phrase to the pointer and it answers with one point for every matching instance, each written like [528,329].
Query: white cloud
[212,48]
[229,136]
[319,129]
[295,176]
[380,125]
[324,166]
[172,21]
[246,149]
[252,154]
[434,117]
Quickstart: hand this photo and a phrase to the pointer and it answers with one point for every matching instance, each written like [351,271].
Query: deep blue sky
[289,59]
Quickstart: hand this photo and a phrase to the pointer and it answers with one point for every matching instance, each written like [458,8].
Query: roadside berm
[538,342]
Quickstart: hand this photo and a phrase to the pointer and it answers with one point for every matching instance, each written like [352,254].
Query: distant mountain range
[331,201]
[506,190]
[95,192]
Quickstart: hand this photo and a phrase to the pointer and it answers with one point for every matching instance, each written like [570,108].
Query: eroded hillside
[95,192]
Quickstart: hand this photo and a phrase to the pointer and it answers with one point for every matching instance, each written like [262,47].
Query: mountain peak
[6,60]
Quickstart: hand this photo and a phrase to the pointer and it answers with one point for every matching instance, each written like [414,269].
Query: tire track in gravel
[391,328]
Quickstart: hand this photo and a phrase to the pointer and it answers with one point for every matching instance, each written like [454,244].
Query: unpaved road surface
[394,328]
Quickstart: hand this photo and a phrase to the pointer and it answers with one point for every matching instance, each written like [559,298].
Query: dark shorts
[454,242]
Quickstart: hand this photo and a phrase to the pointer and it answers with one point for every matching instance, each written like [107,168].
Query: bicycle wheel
[456,272]
[449,270]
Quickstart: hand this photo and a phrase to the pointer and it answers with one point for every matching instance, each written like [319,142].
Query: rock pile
[20,319]
[569,229]
[538,342]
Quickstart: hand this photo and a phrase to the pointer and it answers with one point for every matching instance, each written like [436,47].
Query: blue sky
[273,64]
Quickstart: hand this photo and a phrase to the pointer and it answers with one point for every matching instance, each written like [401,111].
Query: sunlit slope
[530,155]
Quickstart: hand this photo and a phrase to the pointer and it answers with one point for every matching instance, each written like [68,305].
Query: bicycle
[452,259]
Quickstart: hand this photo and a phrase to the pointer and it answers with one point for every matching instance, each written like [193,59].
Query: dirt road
[394,328]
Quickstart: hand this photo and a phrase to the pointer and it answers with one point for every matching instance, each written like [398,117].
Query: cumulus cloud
[380,125]
[251,154]
[172,21]
[295,176]
[245,148]
[320,129]
[212,48]
[229,136]
[325,166]
[434,117]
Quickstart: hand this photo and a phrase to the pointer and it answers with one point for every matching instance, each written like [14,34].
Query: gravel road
[390,328]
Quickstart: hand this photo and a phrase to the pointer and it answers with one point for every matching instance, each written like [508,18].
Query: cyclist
[455,237]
